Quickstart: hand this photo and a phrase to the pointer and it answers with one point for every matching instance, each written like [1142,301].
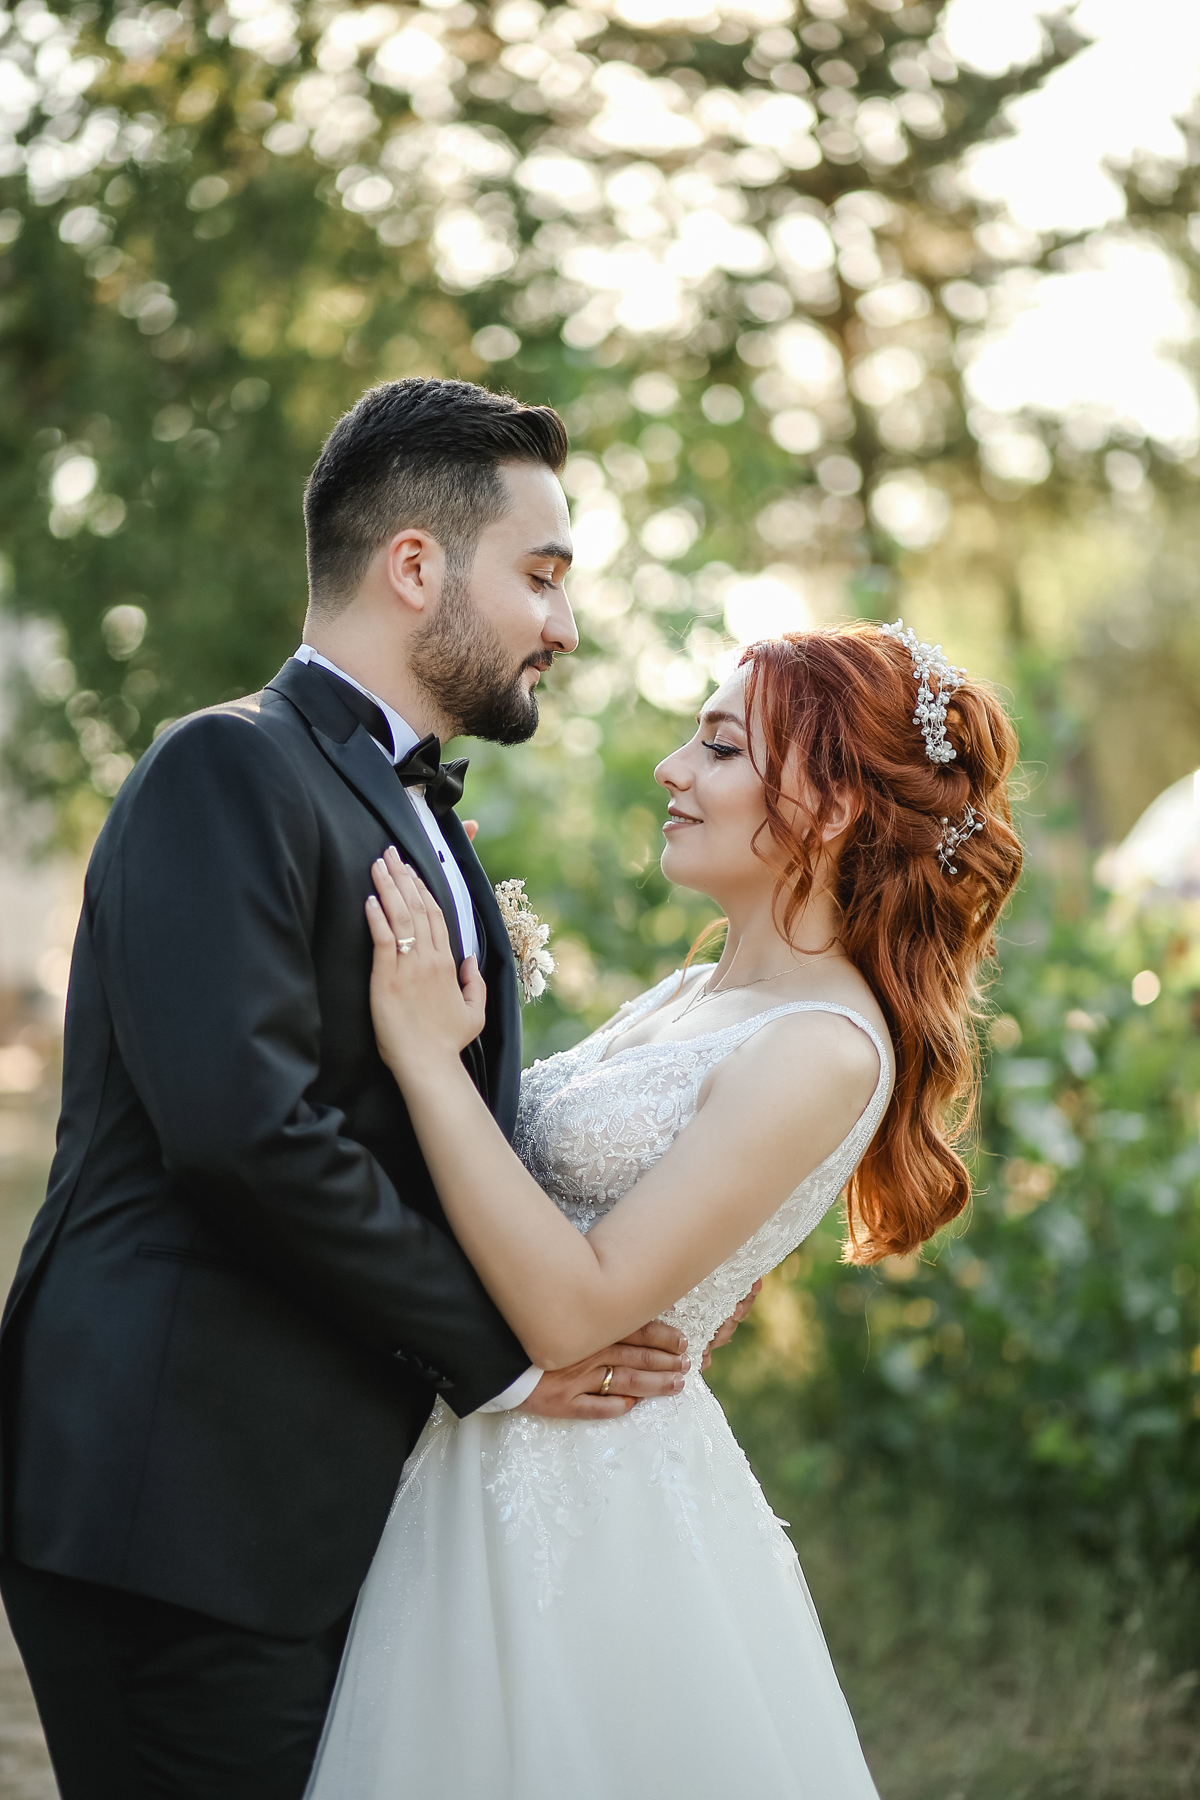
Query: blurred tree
[739,259]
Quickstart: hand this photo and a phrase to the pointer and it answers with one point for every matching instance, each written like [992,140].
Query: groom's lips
[676,818]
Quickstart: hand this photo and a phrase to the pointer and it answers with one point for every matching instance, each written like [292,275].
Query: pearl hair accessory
[954,835]
[931,708]
[930,715]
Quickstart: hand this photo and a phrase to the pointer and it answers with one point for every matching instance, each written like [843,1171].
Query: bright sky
[1116,98]
[1097,340]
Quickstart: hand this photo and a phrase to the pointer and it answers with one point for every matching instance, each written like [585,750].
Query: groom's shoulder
[247,727]
[246,721]
[243,743]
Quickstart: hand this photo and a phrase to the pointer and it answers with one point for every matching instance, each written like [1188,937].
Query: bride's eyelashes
[722,752]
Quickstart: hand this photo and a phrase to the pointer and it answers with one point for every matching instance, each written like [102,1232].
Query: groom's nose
[560,632]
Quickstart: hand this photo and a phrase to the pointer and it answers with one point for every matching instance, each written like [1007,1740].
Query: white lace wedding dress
[571,1611]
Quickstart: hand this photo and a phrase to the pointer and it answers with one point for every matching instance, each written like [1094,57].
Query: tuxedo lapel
[360,764]
[351,750]
[502,1033]
[483,898]
[356,756]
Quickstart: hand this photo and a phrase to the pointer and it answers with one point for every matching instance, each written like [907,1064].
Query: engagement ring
[404,945]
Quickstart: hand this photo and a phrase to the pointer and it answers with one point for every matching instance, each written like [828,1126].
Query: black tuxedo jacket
[237,1304]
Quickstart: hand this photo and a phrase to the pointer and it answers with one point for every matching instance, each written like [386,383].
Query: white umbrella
[1161,855]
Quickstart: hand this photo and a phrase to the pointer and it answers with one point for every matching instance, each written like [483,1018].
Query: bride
[609,1610]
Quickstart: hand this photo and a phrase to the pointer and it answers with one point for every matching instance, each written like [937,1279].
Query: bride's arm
[773,1112]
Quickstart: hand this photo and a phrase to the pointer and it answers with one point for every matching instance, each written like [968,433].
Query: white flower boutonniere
[528,937]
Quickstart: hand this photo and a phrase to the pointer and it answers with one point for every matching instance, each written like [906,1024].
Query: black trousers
[141,1700]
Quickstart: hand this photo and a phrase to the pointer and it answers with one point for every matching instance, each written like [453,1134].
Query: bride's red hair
[835,707]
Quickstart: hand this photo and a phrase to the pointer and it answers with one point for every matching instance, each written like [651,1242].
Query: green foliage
[991,1661]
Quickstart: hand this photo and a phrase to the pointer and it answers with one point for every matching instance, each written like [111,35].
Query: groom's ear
[414,565]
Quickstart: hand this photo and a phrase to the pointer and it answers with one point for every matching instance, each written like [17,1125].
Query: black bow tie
[443,782]
[422,767]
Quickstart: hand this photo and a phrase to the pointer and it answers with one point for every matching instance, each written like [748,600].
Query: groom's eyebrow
[562,553]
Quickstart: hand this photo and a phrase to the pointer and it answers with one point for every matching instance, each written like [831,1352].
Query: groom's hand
[650,1363]
[724,1332]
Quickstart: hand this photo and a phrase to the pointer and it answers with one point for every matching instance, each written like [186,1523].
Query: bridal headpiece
[931,708]
[929,662]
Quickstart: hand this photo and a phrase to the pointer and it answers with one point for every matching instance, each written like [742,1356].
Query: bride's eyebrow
[721,718]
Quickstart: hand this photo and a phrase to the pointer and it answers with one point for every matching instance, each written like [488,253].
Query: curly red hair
[838,705]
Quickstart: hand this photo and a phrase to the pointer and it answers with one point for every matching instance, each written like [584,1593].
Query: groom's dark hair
[416,452]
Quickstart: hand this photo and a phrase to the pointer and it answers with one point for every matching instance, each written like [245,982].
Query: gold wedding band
[404,945]
[608,1375]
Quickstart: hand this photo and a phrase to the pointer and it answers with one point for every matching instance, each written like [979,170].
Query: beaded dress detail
[527,1560]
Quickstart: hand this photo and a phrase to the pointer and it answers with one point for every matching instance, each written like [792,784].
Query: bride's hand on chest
[425,1010]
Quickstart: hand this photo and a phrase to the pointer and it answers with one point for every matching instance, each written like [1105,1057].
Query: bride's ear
[842,814]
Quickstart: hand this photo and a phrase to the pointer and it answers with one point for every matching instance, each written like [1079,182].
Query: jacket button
[399,1356]
[443,1384]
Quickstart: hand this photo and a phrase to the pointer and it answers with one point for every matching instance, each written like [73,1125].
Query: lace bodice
[589,1126]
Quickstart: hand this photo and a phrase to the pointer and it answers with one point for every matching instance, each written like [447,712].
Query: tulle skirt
[564,1611]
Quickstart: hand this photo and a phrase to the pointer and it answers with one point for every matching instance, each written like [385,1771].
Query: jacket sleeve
[202,911]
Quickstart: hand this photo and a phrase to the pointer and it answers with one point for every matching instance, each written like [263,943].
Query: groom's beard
[465,670]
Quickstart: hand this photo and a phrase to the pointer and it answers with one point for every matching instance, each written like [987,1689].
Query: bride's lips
[676,820]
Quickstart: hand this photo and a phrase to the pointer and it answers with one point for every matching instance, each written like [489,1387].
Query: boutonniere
[528,937]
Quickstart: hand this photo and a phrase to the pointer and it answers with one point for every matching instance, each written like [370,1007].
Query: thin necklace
[708,992]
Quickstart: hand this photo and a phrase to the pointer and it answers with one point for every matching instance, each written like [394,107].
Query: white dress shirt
[404,739]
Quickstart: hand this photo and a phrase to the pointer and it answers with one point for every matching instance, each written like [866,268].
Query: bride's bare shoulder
[818,1053]
[830,1038]
[794,1089]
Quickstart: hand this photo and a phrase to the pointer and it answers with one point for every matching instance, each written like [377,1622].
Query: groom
[240,1298]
